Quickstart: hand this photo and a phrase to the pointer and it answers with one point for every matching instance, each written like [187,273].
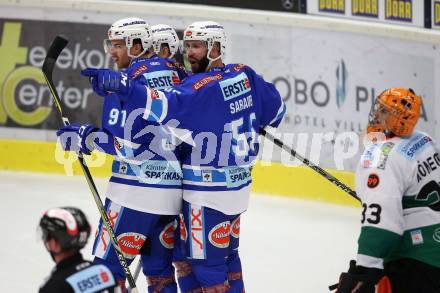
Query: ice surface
[287,245]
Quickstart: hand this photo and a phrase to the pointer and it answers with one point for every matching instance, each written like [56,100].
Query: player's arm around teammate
[230,103]
[144,194]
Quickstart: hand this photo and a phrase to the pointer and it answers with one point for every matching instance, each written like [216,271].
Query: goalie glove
[359,279]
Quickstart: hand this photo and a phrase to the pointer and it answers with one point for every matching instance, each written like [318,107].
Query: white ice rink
[287,245]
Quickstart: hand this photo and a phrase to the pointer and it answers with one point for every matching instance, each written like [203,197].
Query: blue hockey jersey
[146,173]
[223,111]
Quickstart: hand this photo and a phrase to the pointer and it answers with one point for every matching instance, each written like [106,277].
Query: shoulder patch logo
[206,80]
[373,180]
[239,67]
[415,145]
[140,70]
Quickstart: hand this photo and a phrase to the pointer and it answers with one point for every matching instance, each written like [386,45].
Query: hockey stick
[318,169]
[137,271]
[57,46]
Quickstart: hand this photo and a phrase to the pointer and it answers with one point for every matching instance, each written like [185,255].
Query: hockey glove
[105,81]
[359,279]
[77,137]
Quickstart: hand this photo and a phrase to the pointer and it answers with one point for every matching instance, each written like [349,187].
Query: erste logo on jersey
[235,87]
[93,279]
[162,79]
[219,236]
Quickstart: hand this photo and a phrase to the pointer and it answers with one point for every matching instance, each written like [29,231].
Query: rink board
[276,178]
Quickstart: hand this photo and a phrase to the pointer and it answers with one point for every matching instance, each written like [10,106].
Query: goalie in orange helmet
[395,112]
[397,180]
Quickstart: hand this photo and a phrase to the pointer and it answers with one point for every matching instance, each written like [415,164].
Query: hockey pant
[211,241]
[150,235]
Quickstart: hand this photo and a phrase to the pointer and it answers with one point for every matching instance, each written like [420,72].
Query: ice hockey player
[144,193]
[165,41]
[398,181]
[64,232]
[166,44]
[223,106]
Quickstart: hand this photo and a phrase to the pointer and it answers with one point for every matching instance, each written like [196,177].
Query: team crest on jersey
[93,279]
[235,87]
[207,175]
[123,168]
[436,235]
[166,237]
[373,180]
[219,236]
[416,237]
[206,80]
[131,243]
[140,70]
[235,228]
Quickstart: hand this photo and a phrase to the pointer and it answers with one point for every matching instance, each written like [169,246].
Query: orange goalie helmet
[395,111]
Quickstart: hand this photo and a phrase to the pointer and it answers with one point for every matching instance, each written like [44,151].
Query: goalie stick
[55,49]
[309,164]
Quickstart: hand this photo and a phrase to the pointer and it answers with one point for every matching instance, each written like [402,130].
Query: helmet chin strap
[135,56]
[211,60]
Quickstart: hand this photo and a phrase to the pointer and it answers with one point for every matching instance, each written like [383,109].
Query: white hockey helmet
[208,31]
[164,34]
[130,29]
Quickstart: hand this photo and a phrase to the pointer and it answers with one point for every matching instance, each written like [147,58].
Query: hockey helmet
[68,225]
[209,32]
[164,34]
[395,111]
[130,29]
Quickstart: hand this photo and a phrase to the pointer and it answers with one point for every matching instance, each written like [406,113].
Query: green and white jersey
[398,183]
